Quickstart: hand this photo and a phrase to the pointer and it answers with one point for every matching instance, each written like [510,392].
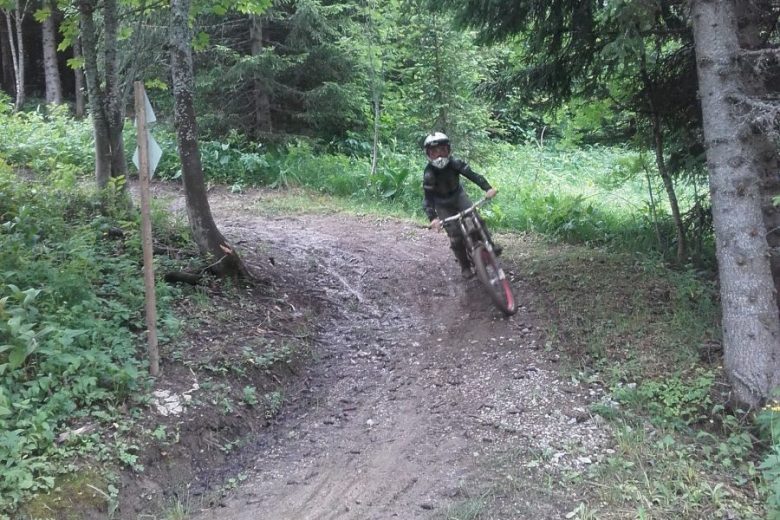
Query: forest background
[586,117]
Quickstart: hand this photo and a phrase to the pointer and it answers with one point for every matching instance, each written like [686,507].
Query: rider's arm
[428,203]
[464,169]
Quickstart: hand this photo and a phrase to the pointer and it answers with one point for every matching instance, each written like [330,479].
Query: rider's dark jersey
[442,186]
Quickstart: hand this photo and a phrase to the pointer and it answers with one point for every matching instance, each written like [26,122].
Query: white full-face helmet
[437,149]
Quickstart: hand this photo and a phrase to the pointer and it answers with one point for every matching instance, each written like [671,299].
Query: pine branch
[757,104]
[758,53]
[762,114]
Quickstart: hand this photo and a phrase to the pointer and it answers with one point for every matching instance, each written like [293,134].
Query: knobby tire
[495,281]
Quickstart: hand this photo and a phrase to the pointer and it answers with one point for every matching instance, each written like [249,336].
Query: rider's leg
[458,247]
[447,208]
[497,248]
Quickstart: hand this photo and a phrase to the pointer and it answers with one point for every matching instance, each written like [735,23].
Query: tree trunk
[755,19]
[113,102]
[751,327]
[225,260]
[7,72]
[442,118]
[95,95]
[376,89]
[50,68]
[263,122]
[768,163]
[21,88]
[658,142]
[78,81]
[104,105]
[14,19]
[658,146]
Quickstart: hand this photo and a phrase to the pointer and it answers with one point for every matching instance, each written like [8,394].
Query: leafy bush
[70,315]
[768,421]
[48,141]
[675,399]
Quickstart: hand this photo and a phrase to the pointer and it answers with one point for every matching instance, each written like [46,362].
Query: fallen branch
[183,277]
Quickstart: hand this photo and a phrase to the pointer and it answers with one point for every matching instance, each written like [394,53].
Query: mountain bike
[483,257]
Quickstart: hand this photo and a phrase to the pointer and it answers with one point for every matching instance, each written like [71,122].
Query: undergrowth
[592,195]
[646,334]
[71,302]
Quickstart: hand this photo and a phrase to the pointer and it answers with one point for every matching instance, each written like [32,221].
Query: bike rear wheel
[493,278]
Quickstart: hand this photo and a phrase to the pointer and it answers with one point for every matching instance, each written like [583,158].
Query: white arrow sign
[155,152]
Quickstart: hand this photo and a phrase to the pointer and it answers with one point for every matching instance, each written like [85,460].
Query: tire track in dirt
[417,380]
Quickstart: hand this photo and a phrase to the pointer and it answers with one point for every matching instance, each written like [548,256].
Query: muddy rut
[418,388]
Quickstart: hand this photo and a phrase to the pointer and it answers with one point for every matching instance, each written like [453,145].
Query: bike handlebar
[465,211]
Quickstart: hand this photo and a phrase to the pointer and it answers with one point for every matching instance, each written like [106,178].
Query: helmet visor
[438,151]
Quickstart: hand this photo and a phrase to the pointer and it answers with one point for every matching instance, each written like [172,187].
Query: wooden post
[146,228]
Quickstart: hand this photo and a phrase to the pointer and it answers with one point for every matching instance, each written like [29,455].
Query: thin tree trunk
[442,122]
[375,140]
[14,21]
[768,162]
[95,95]
[751,326]
[263,122]
[78,81]
[21,89]
[663,171]
[376,95]
[8,79]
[50,67]
[658,142]
[113,102]
[225,260]
[653,211]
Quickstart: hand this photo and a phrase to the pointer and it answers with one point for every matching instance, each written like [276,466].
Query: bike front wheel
[493,278]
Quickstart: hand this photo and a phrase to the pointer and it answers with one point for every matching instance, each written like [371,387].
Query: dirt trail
[419,386]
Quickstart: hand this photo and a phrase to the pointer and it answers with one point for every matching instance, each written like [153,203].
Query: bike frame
[470,225]
[488,269]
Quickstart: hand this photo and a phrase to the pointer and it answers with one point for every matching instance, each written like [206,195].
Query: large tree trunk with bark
[751,327]
[755,20]
[51,69]
[104,104]
[224,259]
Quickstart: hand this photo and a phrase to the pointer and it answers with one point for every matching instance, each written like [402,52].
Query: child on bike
[445,196]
